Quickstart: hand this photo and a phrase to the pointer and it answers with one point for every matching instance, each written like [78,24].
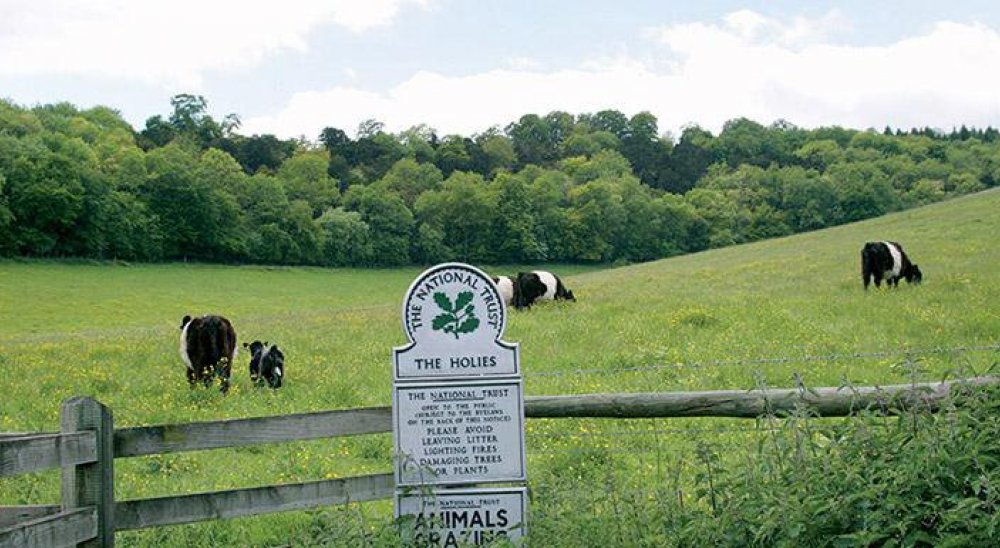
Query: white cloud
[749,66]
[168,42]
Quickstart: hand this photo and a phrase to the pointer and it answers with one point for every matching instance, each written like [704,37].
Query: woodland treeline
[599,187]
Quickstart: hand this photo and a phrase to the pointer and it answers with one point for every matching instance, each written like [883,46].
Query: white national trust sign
[454,319]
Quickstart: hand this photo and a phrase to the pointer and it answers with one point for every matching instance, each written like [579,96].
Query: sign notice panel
[458,412]
[463,517]
[454,317]
[448,433]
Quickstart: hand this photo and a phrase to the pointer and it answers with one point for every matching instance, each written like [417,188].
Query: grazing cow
[267,364]
[208,347]
[506,286]
[539,285]
[887,260]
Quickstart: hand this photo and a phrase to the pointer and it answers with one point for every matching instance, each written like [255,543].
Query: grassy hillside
[731,318]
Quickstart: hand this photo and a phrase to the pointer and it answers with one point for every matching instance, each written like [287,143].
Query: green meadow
[778,313]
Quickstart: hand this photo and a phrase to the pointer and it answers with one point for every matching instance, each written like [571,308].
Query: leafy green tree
[863,191]
[453,155]
[44,194]
[744,141]
[419,142]
[429,245]
[373,155]
[258,152]
[308,236]
[808,200]
[494,153]
[590,143]
[199,220]
[689,159]
[515,233]
[347,238]
[6,222]
[550,203]
[819,154]
[532,141]
[17,121]
[605,164]
[305,177]
[646,152]
[409,179]
[340,147]
[610,121]
[598,219]
[463,210]
[133,233]
[390,221]
[727,222]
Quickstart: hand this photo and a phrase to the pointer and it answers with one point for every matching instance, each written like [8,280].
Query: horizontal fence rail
[824,402]
[67,528]
[171,438]
[156,512]
[23,454]
[10,515]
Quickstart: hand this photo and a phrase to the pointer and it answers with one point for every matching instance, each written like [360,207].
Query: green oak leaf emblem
[458,317]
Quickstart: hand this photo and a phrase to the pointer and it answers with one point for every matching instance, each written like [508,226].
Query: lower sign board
[454,433]
[462,517]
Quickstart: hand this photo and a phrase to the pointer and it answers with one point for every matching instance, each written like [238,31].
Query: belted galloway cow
[539,285]
[887,260]
[208,348]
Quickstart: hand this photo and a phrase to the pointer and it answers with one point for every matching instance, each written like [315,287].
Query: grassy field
[734,318]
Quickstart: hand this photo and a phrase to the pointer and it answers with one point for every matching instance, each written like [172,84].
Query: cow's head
[570,296]
[915,276]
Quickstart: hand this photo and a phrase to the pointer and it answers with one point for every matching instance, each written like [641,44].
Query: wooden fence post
[91,484]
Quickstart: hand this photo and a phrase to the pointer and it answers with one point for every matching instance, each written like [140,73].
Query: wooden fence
[87,445]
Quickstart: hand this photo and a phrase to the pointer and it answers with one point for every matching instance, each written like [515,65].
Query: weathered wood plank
[170,438]
[9,435]
[141,514]
[62,529]
[9,515]
[20,455]
[825,402]
[91,484]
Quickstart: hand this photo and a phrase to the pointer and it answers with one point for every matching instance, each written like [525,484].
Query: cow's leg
[866,269]
[224,369]
[192,378]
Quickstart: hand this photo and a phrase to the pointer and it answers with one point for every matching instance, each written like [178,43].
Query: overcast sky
[293,67]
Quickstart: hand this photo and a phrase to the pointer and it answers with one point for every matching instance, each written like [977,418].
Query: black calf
[267,364]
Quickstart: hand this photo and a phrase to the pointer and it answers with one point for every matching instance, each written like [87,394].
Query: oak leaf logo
[458,317]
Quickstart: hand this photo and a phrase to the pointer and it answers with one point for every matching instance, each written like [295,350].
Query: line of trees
[600,187]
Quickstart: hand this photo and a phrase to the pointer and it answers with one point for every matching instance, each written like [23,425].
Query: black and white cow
[887,260]
[539,285]
[208,348]
[267,364]
[505,284]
